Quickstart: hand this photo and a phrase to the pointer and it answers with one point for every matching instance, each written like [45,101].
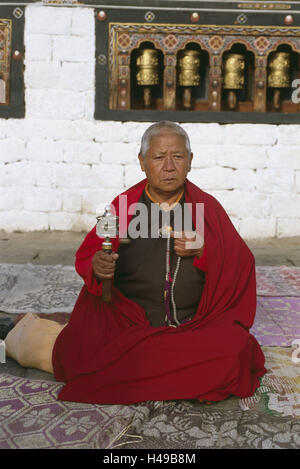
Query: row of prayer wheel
[189,62]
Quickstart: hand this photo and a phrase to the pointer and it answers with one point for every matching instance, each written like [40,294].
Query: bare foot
[31,342]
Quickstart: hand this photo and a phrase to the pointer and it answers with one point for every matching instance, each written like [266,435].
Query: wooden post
[169,85]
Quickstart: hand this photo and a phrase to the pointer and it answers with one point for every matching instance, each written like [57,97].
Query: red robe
[109,354]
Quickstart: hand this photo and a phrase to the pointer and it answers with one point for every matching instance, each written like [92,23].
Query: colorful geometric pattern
[149,16]
[170,41]
[32,417]
[261,43]
[216,42]
[124,41]
[242,19]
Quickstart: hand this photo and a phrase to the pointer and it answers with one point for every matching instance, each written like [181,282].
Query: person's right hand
[104,264]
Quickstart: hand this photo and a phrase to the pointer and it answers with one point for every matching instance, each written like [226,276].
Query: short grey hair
[158,129]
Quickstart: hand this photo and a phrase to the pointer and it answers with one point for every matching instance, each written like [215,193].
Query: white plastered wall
[58,164]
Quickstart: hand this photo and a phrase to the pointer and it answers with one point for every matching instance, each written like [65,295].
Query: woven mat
[278,281]
[49,289]
[31,417]
[277,321]
[269,419]
[38,288]
[52,292]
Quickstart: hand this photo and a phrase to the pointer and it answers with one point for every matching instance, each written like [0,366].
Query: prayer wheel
[233,76]
[2,91]
[188,73]
[279,74]
[147,72]
[107,227]
[3,87]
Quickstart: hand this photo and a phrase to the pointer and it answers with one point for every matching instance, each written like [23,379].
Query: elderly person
[177,325]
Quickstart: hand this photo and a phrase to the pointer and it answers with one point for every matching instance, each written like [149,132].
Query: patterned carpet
[277,320]
[38,288]
[49,289]
[54,289]
[31,416]
[278,281]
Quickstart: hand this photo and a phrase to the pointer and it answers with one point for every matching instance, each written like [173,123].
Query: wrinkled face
[166,163]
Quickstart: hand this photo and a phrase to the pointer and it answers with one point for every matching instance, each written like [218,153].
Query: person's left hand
[188,244]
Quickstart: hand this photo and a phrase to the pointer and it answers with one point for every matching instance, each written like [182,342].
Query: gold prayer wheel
[147,68]
[2,90]
[233,76]
[234,66]
[279,74]
[279,70]
[188,73]
[147,72]
[189,68]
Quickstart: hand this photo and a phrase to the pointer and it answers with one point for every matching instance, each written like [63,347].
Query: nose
[169,164]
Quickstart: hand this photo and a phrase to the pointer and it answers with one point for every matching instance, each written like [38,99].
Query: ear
[142,162]
[190,162]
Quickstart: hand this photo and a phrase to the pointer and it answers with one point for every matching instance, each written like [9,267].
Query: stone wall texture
[58,165]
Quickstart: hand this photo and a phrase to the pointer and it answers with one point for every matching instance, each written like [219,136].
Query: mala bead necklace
[170,283]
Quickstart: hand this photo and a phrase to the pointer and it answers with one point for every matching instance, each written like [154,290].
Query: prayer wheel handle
[106,283]
[107,228]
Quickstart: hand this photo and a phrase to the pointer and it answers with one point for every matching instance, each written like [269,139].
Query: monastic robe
[109,353]
[141,268]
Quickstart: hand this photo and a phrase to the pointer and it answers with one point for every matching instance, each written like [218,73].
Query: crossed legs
[31,342]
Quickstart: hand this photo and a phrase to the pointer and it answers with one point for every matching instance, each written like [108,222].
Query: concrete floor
[59,247]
